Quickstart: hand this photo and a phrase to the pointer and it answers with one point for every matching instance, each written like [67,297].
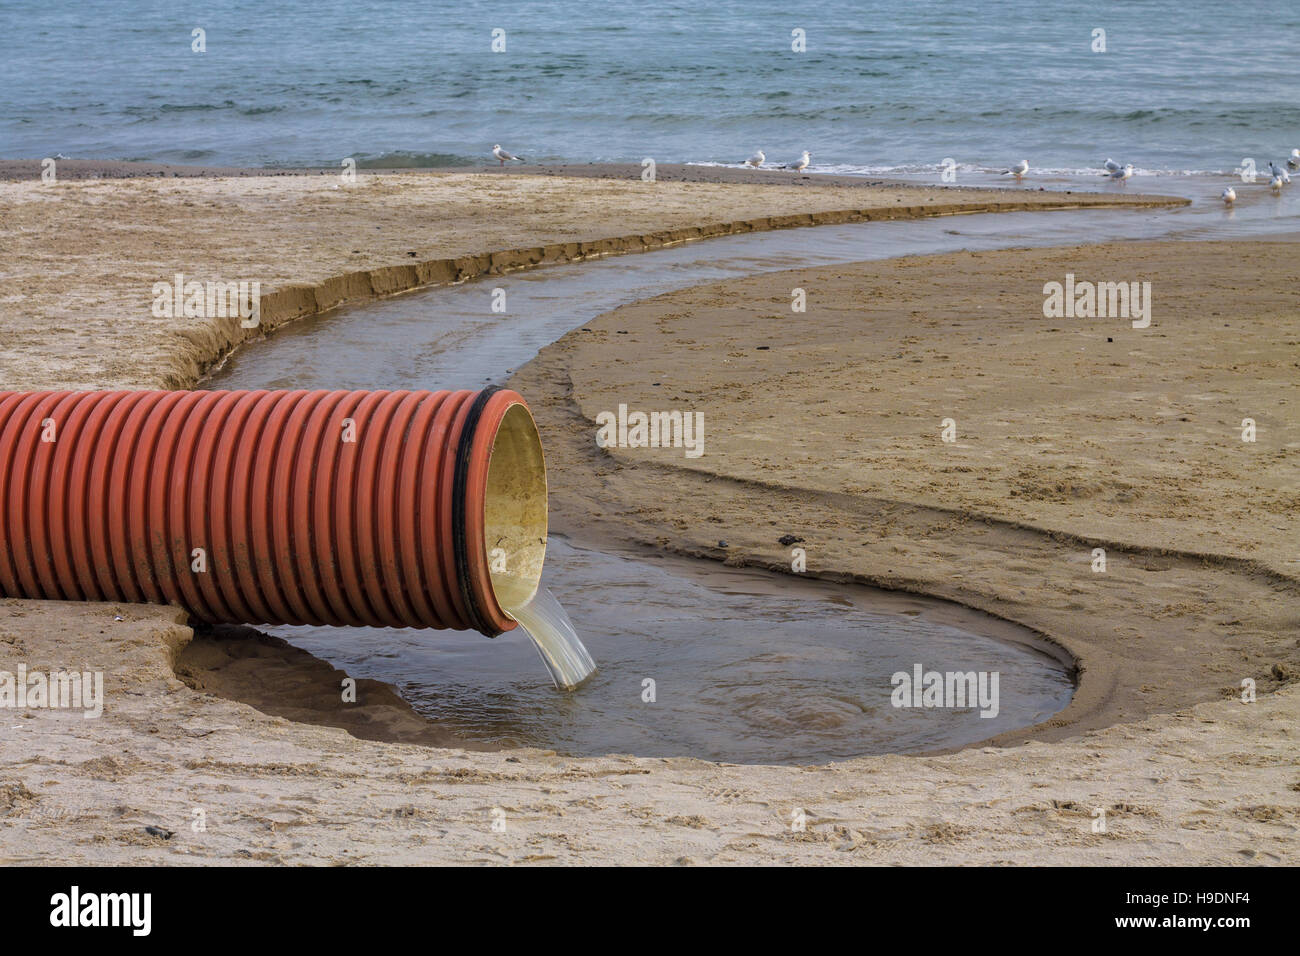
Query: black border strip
[1096,900]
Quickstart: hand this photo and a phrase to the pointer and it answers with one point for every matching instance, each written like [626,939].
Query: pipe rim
[504,499]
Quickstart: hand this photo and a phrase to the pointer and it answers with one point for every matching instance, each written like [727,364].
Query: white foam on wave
[936,169]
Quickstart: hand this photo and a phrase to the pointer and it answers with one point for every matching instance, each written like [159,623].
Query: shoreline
[21,170]
[29,170]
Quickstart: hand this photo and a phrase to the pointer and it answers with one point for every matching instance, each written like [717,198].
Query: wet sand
[1000,521]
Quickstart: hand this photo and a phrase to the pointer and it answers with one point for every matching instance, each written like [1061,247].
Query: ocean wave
[193,107]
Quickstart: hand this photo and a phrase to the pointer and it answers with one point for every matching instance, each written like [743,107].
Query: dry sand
[831,432]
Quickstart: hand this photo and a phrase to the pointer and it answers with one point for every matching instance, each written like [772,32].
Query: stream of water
[696,659]
[563,654]
[450,338]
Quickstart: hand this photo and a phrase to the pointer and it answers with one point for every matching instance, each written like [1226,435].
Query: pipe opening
[514,510]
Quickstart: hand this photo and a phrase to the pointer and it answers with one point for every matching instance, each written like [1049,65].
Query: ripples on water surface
[746,667]
[1184,84]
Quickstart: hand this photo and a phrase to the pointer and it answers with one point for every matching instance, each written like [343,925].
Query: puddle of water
[552,633]
[746,666]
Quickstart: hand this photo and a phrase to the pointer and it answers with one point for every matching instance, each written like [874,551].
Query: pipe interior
[514,509]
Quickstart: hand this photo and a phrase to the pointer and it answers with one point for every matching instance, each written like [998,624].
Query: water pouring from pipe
[553,634]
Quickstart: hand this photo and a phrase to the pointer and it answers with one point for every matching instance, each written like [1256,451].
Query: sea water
[880,87]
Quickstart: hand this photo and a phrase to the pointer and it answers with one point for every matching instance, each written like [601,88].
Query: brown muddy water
[695,659]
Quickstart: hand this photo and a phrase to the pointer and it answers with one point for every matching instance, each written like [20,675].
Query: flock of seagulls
[1279,175]
[799,165]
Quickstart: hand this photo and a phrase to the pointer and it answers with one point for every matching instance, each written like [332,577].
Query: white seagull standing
[758,159]
[502,155]
[1123,175]
[1275,184]
[1018,170]
[1279,172]
[1294,161]
[802,164]
[1229,196]
[1111,165]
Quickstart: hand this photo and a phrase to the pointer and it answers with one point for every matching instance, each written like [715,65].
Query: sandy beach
[1071,435]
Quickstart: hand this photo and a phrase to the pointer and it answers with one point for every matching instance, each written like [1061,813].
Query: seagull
[1275,184]
[1111,165]
[802,164]
[1123,174]
[1279,172]
[1017,170]
[502,155]
[1229,196]
[758,159]
[1294,161]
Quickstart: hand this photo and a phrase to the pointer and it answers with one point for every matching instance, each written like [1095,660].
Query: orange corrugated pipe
[400,509]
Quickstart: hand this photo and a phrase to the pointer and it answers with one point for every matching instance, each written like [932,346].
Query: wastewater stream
[694,659]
